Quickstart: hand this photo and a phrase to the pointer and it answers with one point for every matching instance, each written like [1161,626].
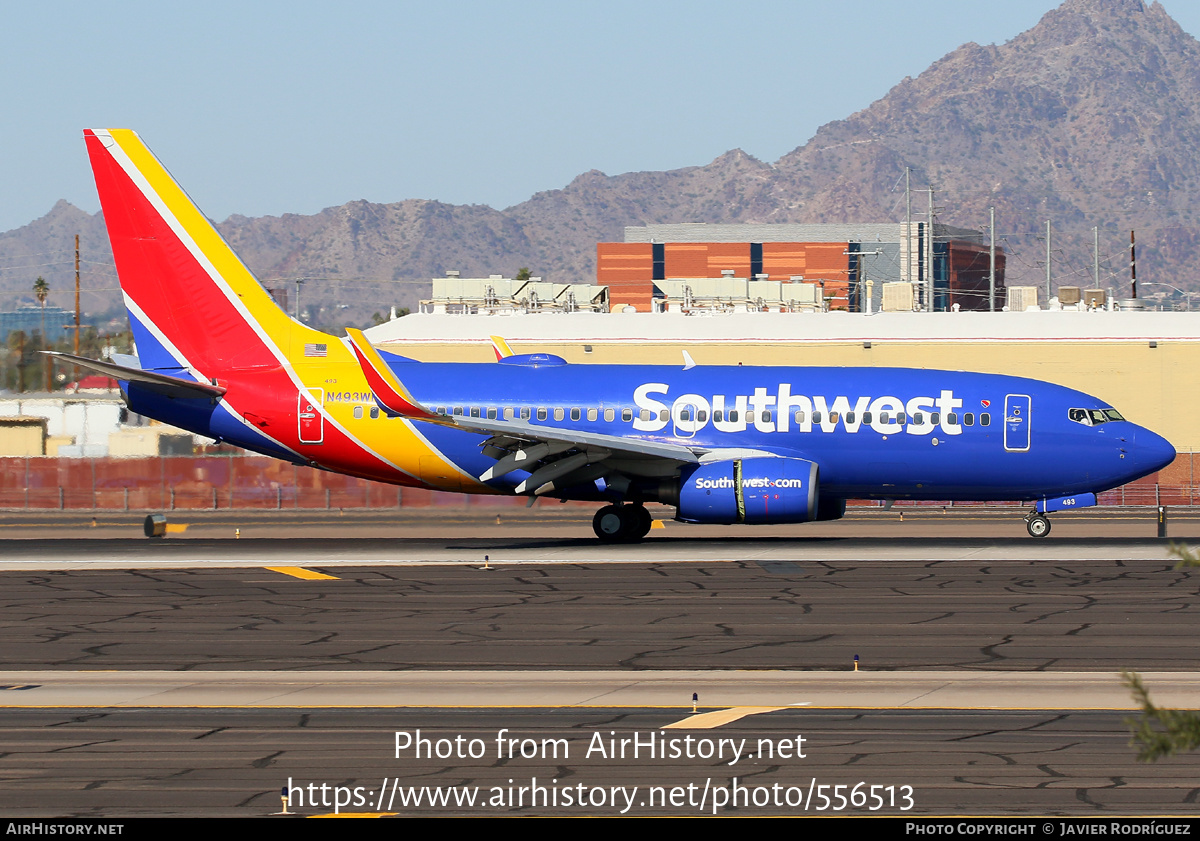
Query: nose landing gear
[622,523]
[1038,525]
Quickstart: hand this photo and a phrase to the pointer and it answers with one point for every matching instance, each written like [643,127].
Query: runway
[671,690]
[210,763]
[194,676]
[771,614]
[563,534]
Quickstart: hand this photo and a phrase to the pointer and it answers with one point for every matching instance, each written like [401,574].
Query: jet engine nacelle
[752,490]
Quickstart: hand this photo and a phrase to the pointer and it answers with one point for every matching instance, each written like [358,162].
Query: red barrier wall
[163,483]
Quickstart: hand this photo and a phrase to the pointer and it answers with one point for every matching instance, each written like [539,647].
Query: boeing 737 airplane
[722,444]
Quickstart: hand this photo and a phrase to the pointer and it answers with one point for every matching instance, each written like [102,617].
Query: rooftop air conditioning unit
[898,296]
[1021,298]
[1068,295]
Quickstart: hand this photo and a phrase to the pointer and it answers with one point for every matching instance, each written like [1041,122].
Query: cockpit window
[1094,417]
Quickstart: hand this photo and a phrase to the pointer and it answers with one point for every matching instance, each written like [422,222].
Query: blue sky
[267,108]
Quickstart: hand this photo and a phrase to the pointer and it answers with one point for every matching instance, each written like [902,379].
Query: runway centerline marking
[301,572]
[709,720]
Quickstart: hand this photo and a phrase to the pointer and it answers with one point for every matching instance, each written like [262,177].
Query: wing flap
[615,443]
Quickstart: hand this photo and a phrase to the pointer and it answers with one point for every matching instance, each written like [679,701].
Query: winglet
[389,392]
[501,348]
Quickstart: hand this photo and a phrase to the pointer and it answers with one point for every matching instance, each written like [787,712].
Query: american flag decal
[313,349]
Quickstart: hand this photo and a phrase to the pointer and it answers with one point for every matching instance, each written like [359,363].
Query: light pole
[859,283]
[1186,295]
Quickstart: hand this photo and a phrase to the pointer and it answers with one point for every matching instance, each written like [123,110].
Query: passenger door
[1018,416]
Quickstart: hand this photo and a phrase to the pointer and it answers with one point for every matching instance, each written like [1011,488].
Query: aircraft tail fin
[193,305]
[500,348]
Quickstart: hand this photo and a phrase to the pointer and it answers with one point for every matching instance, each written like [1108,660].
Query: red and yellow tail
[198,313]
[192,303]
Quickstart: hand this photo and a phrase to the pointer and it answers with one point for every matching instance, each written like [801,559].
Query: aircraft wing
[526,431]
[555,457]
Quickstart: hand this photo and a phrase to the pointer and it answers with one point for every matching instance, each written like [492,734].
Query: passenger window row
[1089,417]
[528,413]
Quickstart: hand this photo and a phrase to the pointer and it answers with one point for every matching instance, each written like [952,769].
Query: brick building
[844,260]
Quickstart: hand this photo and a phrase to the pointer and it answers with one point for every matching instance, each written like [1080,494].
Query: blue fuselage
[962,435]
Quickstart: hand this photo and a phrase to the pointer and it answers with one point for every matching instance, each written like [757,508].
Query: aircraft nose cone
[1150,451]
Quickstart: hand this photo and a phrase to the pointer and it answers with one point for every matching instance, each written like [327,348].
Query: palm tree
[41,291]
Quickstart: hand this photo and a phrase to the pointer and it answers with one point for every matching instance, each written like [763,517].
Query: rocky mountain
[1090,118]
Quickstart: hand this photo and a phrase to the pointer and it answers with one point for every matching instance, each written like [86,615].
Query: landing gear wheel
[611,524]
[621,523]
[1037,525]
[643,521]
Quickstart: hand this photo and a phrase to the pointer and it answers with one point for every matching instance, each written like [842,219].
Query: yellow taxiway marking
[301,572]
[707,721]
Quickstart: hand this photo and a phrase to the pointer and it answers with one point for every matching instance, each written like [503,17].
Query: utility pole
[75,370]
[1096,256]
[929,304]
[992,266]
[1133,263]
[77,295]
[1047,261]
[861,283]
[908,255]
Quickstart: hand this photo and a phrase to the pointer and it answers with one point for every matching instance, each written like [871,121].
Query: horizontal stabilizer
[162,383]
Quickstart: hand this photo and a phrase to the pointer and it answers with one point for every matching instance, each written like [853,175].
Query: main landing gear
[622,523]
[1038,525]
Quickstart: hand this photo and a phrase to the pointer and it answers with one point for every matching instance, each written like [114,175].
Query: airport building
[30,319]
[499,295]
[82,425]
[758,268]
[855,267]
